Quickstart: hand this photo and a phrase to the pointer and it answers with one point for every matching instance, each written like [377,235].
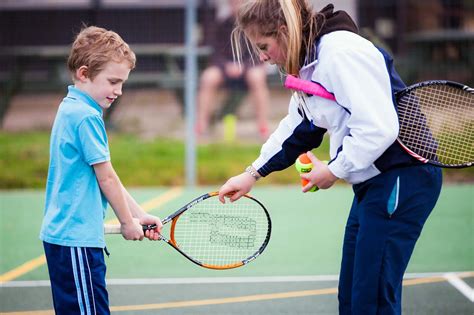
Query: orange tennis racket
[215,235]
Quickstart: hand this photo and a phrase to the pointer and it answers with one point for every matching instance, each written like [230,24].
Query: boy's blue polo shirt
[75,206]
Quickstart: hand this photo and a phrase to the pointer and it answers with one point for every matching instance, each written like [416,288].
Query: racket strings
[436,122]
[222,234]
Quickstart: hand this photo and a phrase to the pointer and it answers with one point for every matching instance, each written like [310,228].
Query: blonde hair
[266,18]
[94,47]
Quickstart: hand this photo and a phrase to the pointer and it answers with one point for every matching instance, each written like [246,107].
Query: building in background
[431,39]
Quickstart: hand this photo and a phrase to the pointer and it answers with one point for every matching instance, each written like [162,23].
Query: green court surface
[297,274]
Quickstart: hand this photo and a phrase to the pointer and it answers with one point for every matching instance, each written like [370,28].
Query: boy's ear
[82,74]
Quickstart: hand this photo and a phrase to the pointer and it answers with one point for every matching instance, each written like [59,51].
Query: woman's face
[270,49]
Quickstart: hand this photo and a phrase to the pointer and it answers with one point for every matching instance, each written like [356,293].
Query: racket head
[220,236]
[437,123]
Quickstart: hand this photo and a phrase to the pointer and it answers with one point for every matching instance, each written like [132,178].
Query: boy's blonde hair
[94,47]
[266,18]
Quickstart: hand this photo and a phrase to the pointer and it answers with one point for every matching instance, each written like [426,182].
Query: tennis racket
[436,120]
[215,235]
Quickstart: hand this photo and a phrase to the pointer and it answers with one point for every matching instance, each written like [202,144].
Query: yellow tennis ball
[303,164]
[313,189]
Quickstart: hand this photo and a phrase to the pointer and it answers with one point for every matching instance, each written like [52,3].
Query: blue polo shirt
[75,206]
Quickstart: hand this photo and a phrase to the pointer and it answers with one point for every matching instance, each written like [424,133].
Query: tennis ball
[303,164]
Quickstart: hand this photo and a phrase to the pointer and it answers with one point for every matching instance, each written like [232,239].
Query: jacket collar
[333,21]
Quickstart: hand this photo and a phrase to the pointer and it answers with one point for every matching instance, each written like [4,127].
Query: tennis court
[297,274]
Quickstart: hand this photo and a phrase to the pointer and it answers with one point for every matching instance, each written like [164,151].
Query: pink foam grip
[308,87]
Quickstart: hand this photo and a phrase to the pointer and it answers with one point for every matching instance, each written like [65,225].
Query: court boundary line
[226,280]
[41,260]
[248,298]
[455,280]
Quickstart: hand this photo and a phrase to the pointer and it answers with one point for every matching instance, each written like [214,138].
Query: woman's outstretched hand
[236,187]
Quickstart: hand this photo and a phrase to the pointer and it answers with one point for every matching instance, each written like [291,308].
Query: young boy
[81,179]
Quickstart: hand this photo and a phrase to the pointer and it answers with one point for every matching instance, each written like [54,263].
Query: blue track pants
[77,277]
[385,221]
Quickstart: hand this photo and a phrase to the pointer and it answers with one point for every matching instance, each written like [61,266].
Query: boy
[81,179]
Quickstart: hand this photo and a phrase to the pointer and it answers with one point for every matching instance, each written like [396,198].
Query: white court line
[460,285]
[46,283]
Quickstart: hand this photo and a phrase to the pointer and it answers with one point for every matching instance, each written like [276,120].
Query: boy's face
[106,86]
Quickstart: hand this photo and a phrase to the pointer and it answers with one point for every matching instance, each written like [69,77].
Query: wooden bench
[24,76]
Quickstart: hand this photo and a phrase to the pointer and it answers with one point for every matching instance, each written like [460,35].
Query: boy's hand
[152,235]
[132,231]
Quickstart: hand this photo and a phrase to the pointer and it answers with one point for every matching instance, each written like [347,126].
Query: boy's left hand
[147,219]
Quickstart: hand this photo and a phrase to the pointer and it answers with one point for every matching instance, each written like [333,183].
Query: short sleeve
[93,140]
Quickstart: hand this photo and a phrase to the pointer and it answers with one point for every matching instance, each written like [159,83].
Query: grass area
[158,162]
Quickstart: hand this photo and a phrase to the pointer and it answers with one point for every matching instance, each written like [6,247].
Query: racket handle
[148,227]
[308,87]
[116,229]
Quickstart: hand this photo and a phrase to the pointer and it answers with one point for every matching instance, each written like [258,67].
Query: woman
[394,193]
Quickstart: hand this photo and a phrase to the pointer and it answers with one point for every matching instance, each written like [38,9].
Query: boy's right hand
[132,231]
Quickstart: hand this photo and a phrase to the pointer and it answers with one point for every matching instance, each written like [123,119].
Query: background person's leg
[257,81]
[210,81]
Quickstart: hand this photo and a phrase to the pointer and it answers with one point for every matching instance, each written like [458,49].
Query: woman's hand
[319,176]
[236,187]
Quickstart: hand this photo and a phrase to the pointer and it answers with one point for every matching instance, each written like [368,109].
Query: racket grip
[148,227]
[116,228]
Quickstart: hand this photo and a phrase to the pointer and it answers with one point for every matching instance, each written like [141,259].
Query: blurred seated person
[223,71]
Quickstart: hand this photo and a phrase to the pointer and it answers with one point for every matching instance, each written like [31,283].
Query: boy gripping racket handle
[81,178]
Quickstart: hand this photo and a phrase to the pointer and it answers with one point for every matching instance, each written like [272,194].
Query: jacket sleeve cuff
[258,164]
[337,168]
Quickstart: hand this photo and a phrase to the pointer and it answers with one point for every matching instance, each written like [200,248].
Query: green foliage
[158,162]
[23,160]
